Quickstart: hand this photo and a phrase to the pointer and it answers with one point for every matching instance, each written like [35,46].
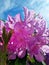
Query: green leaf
[10,62]
[17,61]
[20,61]
[10,34]
[4,35]
[32,60]
[38,63]
[43,63]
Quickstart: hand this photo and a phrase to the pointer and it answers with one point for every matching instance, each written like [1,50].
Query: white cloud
[41,6]
[7,4]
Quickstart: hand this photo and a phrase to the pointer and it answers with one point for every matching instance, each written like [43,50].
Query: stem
[2,62]
[3,59]
[43,63]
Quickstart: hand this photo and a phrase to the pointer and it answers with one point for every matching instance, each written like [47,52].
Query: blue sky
[12,7]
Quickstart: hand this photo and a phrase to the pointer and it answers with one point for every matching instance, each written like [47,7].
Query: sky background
[12,7]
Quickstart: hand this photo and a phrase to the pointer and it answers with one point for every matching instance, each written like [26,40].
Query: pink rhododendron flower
[11,21]
[45,49]
[30,35]
[18,41]
[34,21]
[1,27]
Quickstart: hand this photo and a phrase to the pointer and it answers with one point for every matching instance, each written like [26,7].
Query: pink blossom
[1,27]
[27,35]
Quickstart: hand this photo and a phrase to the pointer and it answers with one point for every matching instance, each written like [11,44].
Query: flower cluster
[30,35]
